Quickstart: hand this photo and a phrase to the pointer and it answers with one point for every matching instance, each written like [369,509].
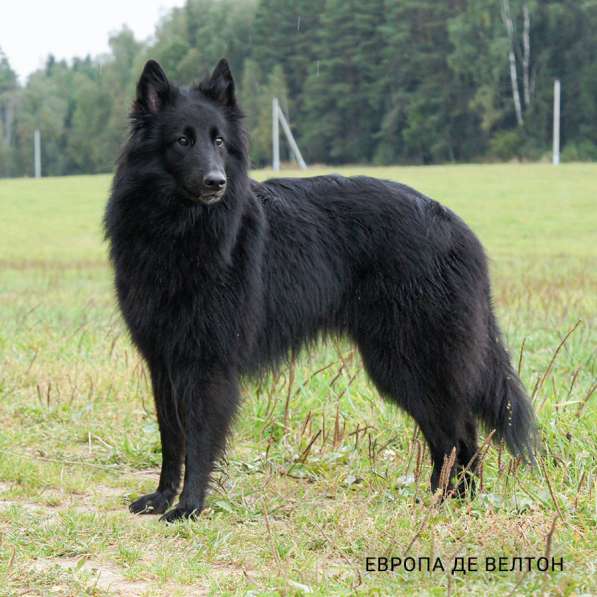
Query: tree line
[361,81]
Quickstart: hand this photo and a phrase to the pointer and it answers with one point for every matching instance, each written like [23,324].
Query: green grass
[78,438]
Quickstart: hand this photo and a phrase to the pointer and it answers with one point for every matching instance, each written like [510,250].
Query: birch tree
[519,52]
[509,24]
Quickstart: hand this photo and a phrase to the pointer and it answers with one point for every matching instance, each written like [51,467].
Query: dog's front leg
[209,408]
[173,449]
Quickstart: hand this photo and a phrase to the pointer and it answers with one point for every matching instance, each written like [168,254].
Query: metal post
[290,137]
[275,136]
[556,122]
[37,153]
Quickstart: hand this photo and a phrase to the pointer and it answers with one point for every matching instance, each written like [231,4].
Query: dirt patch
[50,512]
[105,577]
[53,501]
[150,473]
[109,491]
[108,577]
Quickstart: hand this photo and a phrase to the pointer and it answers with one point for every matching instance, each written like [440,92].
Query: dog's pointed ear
[220,86]
[153,89]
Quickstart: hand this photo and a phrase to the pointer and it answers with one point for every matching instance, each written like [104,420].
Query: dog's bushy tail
[505,406]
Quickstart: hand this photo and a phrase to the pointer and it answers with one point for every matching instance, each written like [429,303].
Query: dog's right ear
[153,89]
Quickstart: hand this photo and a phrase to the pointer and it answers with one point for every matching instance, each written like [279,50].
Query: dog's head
[192,135]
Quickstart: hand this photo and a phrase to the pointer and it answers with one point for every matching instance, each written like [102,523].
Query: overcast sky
[32,29]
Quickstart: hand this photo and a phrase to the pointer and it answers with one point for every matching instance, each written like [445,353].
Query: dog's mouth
[210,198]
[206,198]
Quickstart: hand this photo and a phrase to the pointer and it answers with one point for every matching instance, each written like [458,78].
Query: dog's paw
[152,503]
[180,513]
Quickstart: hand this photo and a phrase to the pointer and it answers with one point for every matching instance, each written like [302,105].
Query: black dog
[219,276]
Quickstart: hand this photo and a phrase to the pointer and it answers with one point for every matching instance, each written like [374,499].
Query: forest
[360,81]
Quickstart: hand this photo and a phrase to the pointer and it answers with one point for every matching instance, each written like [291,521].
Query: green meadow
[321,474]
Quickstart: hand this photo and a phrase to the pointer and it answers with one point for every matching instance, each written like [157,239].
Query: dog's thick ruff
[211,292]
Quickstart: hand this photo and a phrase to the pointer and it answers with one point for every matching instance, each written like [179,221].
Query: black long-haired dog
[219,276]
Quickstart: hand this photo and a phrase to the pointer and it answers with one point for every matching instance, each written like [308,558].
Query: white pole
[556,122]
[275,136]
[290,137]
[37,153]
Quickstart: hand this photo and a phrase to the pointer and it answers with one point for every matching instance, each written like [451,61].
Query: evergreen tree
[343,93]
[251,94]
[8,105]
[427,118]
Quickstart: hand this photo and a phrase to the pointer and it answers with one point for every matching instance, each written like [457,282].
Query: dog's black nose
[215,181]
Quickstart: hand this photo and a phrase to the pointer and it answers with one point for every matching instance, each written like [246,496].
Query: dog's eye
[183,141]
[219,141]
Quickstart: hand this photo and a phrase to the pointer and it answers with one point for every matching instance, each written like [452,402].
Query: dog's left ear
[220,86]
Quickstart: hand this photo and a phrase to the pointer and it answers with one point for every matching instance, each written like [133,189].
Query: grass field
[321,474]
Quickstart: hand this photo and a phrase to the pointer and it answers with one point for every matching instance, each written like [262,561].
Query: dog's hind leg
[467,460]
[172,437]
[442,416]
